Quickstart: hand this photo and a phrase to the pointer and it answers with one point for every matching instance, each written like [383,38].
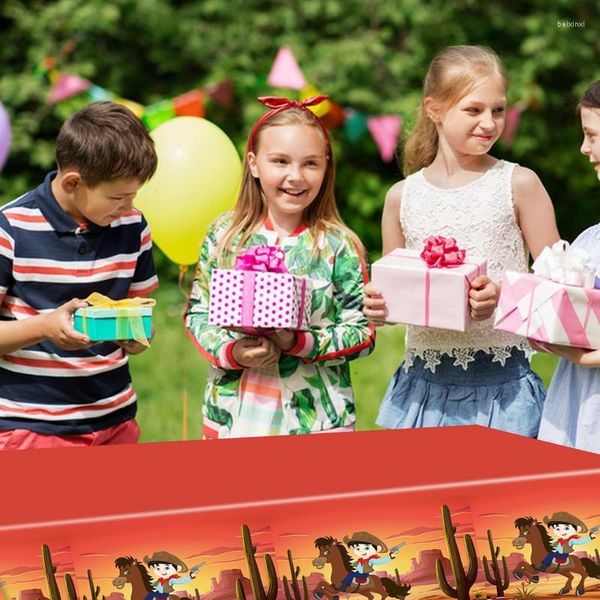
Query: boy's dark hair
[591,96]
[106,141]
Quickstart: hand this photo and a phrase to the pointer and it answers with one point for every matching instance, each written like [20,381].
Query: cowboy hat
[166,557]
[565,517]
[363,537]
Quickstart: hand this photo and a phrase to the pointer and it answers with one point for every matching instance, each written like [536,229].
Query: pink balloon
[4,136]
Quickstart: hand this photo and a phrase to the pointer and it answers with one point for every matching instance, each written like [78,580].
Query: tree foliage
[367,54]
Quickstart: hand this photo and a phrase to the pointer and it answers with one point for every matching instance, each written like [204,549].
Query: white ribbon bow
[564,264]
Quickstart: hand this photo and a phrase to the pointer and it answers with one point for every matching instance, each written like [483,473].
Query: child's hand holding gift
[483,298]
[58,327]
[256,353]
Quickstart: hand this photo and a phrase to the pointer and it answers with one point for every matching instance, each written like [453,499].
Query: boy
[74,234]
[569,531]
[367,549]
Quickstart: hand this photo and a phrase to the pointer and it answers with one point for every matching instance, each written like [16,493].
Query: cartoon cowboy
[568,530]
[367,549]
[166,568]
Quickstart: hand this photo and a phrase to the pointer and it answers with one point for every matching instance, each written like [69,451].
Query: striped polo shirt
[46,259]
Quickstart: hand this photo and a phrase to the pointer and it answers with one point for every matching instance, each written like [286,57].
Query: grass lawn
[170,376]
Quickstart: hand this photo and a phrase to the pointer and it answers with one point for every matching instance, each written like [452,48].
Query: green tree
[367,54]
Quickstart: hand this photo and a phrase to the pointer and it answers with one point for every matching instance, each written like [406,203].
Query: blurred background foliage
[367,54]
[370,55]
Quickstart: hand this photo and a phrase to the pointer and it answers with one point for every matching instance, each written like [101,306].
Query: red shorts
[23,439]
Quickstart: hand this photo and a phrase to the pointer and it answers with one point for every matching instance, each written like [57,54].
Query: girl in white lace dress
[572,412]
[496,210]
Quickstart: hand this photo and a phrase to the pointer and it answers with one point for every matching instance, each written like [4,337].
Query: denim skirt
[509,397]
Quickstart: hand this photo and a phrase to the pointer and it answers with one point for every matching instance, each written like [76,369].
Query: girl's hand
[374,308]
[284,339]
[579,356]
[256,353]
[483,297]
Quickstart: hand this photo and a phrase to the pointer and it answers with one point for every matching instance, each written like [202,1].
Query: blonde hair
[452,74]
[251,209]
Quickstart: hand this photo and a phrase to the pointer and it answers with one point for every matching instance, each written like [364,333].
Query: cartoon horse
[334,553]
[534,533]
[133,572]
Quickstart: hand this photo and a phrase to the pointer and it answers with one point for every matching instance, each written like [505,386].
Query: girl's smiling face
[290,163]
[590,123]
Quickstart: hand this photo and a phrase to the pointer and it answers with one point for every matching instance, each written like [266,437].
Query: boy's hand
[374,308]
[131,346]
[483,297]
[58,327]
[134,347]
[256,353]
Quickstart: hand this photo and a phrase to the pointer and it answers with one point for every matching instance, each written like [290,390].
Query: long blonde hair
[251,209]
[452,74]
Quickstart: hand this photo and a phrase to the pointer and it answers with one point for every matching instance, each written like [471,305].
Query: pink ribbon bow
[278,104]
[442,252]
[262,258]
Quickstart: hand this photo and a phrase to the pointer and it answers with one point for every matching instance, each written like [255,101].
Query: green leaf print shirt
[313,376]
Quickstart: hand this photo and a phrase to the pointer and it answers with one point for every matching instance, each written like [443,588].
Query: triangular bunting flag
[335,117]
[513,116]
[134,107]
[158,113]
[97,94]
[285,72]
[190,104]
[67,86]
[355,126]
[221,93]
[320,109]
[385,131]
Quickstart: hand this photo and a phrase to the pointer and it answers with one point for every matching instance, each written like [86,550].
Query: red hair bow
[278,104]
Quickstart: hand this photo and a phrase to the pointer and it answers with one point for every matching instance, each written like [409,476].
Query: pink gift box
[258,299]
[417,294]
[547,311]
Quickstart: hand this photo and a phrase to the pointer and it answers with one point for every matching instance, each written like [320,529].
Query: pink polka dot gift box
[259,293]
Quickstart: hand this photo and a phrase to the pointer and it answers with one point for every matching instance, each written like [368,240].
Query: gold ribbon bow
[126,314]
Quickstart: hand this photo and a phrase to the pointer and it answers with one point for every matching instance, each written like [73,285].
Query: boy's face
[101,204]
[563,530]
[364,550]
[164,570]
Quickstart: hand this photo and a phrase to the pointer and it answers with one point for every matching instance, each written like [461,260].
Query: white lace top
[481,216]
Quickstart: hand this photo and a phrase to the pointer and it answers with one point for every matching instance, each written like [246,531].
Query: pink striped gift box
[547,311]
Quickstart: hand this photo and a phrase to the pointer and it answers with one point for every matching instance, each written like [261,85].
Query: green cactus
[596,556]
[258,590]
[95,590]
[239,590]
[50,573]
[464,581]
[70,585]
[294,585]
[500,582]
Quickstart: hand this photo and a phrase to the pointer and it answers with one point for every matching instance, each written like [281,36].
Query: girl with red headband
[495,210]
[284,381]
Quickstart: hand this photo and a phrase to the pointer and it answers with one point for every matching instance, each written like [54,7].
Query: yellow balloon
[197,179]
